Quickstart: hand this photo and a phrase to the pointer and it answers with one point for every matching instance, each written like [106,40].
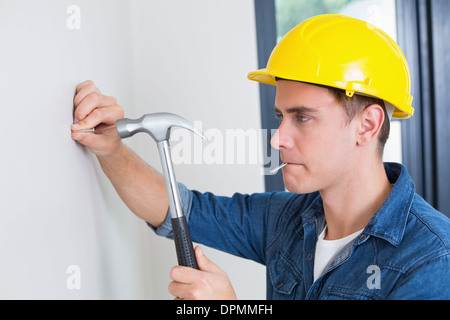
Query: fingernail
[76,121]
[200,251]
[75,126]
[78,137]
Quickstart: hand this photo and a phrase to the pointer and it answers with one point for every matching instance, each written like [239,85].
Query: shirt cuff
[165,229]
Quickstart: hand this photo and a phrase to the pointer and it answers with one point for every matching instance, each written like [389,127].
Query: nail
[200,251]
[274,171]
[86,130]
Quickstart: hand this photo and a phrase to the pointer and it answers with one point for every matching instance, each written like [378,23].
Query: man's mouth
[291,162]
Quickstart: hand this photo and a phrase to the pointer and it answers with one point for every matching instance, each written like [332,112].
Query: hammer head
[157,125]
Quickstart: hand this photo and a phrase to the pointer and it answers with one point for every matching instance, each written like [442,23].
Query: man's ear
[371,121]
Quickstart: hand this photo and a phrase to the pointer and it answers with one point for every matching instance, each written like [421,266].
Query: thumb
[204,263]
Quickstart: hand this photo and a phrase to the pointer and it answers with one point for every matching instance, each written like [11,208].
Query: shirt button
[362,237]
[309,256]
[280,284]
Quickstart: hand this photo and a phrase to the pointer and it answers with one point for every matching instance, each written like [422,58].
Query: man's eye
[279,117]
[302,118]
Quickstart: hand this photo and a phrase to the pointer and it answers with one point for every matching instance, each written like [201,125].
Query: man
[351,227]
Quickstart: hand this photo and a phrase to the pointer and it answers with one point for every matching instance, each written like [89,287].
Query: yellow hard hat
[346,53]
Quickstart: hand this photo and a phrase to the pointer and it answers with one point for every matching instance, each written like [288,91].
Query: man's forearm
[140,186]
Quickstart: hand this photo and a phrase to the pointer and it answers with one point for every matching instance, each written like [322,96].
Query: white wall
[56,207]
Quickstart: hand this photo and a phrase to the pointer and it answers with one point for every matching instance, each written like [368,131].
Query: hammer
[158,126]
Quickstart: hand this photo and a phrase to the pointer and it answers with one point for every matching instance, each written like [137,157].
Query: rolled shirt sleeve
[236,224]
[165,229]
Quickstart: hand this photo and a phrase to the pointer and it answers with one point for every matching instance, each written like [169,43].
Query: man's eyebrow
[300,109]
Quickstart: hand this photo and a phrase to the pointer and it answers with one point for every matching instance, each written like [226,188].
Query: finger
[179,290]
[204,263]
[94,141]
[185,275]
[84,91]
[84,84]
[91,102]
[83,138]
[107,116]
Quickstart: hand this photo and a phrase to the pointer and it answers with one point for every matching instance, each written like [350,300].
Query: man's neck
[351,203]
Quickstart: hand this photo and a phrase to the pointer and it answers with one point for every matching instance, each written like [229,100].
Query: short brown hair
[356,104]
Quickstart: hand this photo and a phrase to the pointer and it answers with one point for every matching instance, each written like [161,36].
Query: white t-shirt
[327,249]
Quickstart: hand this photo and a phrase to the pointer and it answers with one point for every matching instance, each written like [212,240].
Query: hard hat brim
[263,76]
[268,76]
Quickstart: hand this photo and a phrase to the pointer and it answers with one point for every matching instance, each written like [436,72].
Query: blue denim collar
[390,221]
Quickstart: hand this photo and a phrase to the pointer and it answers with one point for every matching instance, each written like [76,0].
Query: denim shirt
[403,252]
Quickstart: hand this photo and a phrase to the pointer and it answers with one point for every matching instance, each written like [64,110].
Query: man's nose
[281,140]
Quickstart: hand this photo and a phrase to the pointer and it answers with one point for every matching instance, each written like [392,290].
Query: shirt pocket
[334,292]
[285,277]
